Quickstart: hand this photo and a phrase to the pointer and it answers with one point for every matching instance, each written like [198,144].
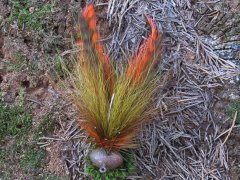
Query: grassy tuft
[52,177]
[14,120]
[28,14]
[18,150]
[32,157]
[119,173]
[20,61]
[45,127]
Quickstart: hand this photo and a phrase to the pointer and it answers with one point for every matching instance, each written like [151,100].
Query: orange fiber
[110,104]
[89,12]
[89,17]
[92,24]
[143,60]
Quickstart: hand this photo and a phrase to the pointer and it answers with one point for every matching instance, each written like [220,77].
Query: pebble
[31,9]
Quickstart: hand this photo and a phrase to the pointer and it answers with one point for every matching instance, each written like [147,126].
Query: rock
[106,161]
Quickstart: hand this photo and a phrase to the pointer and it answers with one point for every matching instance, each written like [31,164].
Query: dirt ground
[35,37]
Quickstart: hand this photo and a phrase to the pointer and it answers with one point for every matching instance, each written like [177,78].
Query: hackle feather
[113,106]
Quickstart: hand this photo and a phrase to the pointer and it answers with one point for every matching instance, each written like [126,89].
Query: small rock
[31,9]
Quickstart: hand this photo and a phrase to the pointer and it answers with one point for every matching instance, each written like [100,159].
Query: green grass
[18,150]
[57,67]
[45,127]
[20,61]
[24,155]
[29,14]
[232,108]
[32,157]
[14,120]
[51,43]
[53,177]
[129,166]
